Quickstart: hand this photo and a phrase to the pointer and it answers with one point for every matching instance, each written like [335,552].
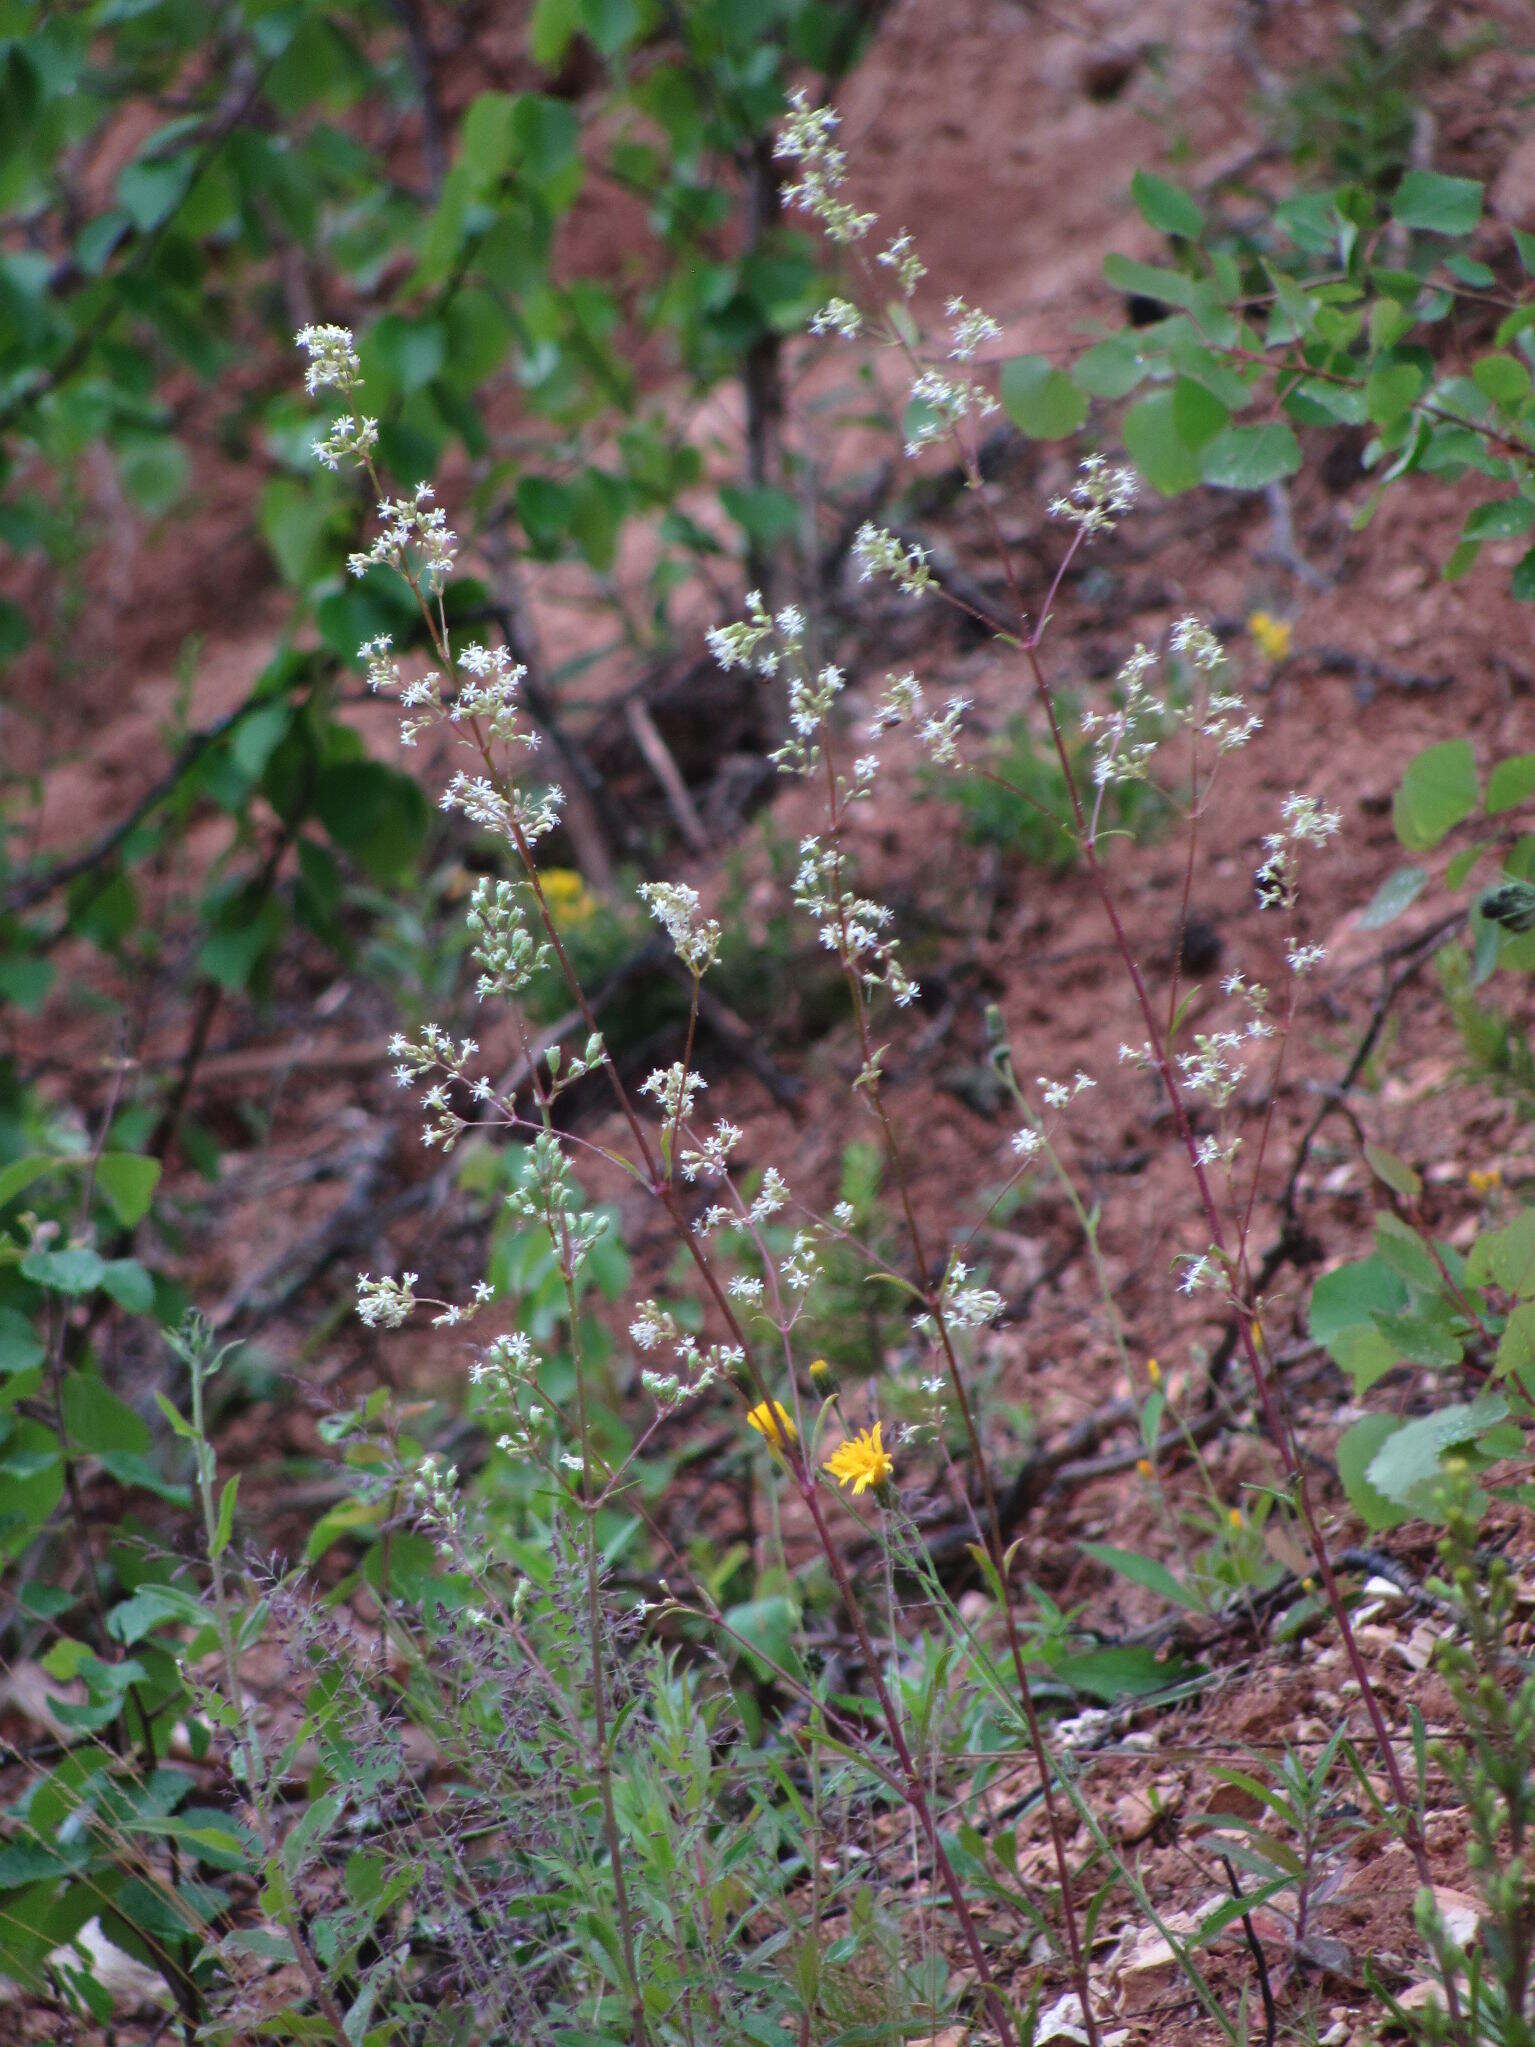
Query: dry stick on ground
[658,758]
[30,889]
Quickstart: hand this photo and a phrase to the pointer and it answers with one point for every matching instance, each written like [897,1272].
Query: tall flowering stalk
[475,692]
[1126,739]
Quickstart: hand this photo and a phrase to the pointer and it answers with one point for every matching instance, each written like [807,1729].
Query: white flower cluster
[938,732]
[507,1372]
[548,1195]
[749,642]
[334,366]
[504,947]
[418,697]
[962,1304]
[434,1490]
[655,1327]
[771,645]
[675,908]
[1098,499]
[1216,1064]
[969,329]
[674,1089]
[852,926]
[385,1303]
[433,1058]
[806,139]
[880,552]
[1125,739]
[1060,1094]
[1221,716]
[1304,822]
[710,1158]
[942,402]
[525,815]
[333,362]
[414,538]
[901,257]
[348,440]
[488,696]
[838,316]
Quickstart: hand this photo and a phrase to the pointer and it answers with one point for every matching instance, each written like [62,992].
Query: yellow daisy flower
[1484,1179]
[862,1462]
[1271,635]
[773,1423]
[566,894]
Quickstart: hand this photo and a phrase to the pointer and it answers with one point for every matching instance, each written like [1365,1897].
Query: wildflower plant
[473,691]
[623,1854]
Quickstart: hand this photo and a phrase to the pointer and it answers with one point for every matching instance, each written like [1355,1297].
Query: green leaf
[1511,783]
[1506,1256]
[768,1625]
[20,1348]
[1410,1459]
[1164,433]
[1357,1448]
[547,133]
[1442,205]
[128,1181]
[1393,1172]
[97,1421]
[129,1285]
[1111,368]
[1145,280]
[554,24]
[155,472]
[224,1527]
[1516,1346]
[485,142]
[1438,791]
[1522,582]
[1499,519]
[1041,400]
[1146,1572]
[375,814]
[1503,378]
[1166,208]
[1123,1671]
[20,1173]
[1352,1295]
[766,514]
[135,1617]
[1250,457]
[1391,389]
[74,1271]
[1398,892]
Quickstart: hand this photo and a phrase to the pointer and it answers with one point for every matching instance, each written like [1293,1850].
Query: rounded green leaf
[1442,205]
[1165,207]
[1250,457]
[1041,400]
[1438,791]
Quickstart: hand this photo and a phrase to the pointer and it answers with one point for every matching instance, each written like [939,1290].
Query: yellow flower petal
[862,1462]
[773,1423]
